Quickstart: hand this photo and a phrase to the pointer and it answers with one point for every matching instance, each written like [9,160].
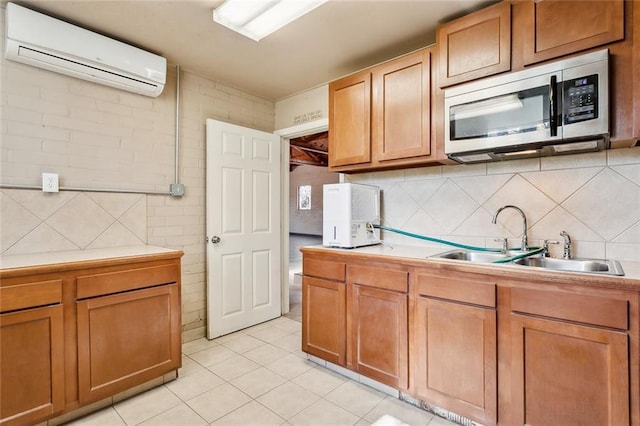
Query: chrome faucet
[567,245]
[525,239]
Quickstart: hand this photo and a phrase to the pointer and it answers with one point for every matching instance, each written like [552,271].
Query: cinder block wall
[98,137]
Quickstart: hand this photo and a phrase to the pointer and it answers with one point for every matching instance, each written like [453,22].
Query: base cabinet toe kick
[491,348]
[74,334]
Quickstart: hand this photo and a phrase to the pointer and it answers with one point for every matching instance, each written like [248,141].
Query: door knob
[215,239]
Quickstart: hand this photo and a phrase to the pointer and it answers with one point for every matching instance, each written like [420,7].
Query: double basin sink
[592,266]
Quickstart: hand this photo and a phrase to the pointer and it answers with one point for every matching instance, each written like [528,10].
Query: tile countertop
[420,255]
[18,261]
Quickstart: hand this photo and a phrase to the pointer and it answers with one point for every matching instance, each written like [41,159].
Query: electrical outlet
[50,182]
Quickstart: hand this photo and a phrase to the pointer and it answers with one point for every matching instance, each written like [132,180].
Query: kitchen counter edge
[421,257]
[14,265]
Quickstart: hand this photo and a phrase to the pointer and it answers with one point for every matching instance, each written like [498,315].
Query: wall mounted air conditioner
[46,42]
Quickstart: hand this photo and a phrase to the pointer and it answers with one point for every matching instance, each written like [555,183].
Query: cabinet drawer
[324,269]
[30,295]
[387,279]
[602,311]
[459,289]
[129,279]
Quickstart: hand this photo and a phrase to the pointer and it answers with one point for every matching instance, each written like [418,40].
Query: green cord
[534,250]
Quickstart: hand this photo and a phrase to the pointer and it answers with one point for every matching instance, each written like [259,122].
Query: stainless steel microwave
[556,108]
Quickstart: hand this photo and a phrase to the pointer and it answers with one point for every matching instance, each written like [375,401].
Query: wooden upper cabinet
[349,120]
[555,28]
[401,112]
[475,46]
[380,118]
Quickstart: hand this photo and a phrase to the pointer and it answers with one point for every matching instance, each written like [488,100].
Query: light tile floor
[257,376]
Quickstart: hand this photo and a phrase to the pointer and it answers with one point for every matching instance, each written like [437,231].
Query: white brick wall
[98,137]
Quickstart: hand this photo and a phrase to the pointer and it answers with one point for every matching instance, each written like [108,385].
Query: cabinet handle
[553,106]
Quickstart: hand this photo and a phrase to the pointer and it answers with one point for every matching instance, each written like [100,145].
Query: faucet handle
[545,247]
[505,243]
[567,245]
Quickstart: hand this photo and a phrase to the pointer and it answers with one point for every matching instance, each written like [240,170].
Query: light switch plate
[50,182]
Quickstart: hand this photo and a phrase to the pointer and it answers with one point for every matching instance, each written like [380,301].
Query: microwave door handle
[553,106]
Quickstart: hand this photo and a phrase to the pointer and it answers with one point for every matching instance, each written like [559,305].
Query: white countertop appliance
[349,212]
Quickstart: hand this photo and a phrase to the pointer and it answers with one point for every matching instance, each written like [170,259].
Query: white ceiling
[336,39]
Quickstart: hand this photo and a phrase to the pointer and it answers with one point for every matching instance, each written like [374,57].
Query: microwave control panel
[580,99]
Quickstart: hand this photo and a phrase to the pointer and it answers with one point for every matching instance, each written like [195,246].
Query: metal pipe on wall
[82,189]
[175,190]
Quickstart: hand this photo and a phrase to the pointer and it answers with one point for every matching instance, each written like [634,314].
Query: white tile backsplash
[595,197]
[37,222]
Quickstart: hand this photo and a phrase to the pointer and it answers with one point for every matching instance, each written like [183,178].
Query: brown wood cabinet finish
[379,335]
[565,373]
[497,349]
[126,339]
[381,118]
[350,120]
[557,28]
[456,333]
[32,365]
[377,324]
[324,329]
[81,351]
[401,112]
[475,46]
[569,364]
[324,299]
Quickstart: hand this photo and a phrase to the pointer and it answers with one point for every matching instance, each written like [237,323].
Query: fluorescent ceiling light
[257,19]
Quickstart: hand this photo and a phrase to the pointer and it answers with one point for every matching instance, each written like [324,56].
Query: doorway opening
[308,172]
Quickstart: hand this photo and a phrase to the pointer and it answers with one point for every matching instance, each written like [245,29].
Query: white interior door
[243,227]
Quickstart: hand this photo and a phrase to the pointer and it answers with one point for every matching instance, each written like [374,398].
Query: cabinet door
[556,28]
[475,46]
[379,336]
[401,107]
[126,339]
[323,319]
[564,373]
[350,120]
[31,365]
[457,361]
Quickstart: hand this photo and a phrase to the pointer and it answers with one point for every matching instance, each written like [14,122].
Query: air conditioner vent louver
[67,49]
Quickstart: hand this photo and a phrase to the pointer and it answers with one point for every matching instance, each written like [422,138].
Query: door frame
[286,134]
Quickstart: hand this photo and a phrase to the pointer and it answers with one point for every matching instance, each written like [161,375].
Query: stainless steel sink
[476,256]
[592,266]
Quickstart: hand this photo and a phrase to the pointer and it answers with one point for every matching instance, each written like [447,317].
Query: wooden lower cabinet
[456,336]
[568,374]
[76,332]
[126,339]
[379,335]
[324,331]
[570,357]
[492,349]
[378,322]
[32,365]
